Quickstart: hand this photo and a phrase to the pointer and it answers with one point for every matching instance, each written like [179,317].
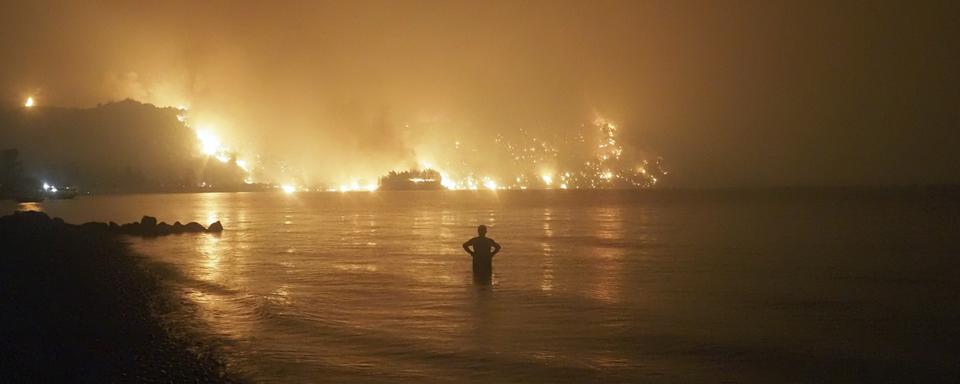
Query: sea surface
[833,285]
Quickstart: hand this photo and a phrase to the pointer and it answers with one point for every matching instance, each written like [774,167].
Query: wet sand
[78,306]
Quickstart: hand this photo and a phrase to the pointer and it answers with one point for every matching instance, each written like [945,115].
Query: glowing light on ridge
[209,143]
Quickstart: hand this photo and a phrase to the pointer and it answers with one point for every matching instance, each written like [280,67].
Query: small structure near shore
[412,180]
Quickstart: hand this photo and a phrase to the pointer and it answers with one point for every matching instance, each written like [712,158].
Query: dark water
[788,286]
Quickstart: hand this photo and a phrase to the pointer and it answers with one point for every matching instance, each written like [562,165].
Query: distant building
[411,180]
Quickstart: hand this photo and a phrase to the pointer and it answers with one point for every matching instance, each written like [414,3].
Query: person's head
[482,230]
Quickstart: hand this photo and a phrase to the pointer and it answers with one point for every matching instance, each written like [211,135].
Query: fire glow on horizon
[603,166]
[571,163]
[593,159]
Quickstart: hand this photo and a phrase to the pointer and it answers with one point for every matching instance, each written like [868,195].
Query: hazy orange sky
[729,92]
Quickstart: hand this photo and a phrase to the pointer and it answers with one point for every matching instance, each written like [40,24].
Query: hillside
[125,146]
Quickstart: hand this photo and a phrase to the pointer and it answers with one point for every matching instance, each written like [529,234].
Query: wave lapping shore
[78,306]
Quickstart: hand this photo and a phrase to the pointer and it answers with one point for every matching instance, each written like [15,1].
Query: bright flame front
[209,143]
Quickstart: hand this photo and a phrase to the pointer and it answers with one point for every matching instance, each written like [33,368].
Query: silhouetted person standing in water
[484,248]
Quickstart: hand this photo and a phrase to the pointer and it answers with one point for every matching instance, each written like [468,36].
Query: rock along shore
[77,306]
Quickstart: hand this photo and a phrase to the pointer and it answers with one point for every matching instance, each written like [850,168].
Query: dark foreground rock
[193,226]
[148,221]
[77,306]
[215,227]
[149,227]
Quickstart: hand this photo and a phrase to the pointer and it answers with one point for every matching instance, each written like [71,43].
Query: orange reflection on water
[226,314]
[608,285]
[547,217]
[546,283]
[211,204]
[217,265]
[609,223]
[209,248]
[281,295]
[608,255]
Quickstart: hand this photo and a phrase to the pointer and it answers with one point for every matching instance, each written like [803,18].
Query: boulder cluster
[148,226]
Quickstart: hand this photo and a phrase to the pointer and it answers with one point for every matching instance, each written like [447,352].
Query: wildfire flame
[600,162]
[209,143]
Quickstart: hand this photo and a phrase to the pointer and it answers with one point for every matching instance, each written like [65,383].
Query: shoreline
[858,189]
[79,306]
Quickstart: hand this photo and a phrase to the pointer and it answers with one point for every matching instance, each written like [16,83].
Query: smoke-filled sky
[729,93]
